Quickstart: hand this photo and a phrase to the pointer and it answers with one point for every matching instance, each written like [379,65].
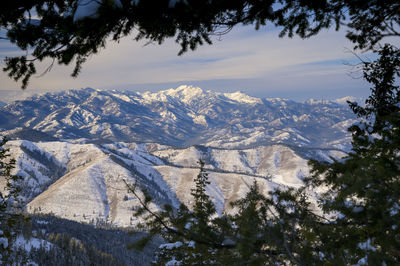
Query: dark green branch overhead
[62,31]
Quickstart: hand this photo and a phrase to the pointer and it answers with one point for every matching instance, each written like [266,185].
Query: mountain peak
[186,93]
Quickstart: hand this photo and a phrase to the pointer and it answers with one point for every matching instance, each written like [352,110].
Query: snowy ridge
[90,183]
[180,117]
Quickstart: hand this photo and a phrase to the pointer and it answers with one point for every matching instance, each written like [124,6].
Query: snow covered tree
[10,214]
[67,31]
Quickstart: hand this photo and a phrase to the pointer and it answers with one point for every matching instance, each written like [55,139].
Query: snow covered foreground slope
[85,182]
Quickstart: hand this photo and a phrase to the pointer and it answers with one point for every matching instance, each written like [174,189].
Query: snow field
[93,186]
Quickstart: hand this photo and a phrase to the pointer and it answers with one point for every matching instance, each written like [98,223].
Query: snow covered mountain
[86,182]
[180,117]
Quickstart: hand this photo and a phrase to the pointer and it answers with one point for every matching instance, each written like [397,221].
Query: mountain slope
[89,186]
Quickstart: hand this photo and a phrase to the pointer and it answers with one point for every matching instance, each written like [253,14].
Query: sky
[258,63]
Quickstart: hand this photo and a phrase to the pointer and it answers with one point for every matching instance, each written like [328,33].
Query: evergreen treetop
[363,189]
[10,210]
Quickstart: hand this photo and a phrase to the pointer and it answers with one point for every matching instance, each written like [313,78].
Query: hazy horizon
[8,96]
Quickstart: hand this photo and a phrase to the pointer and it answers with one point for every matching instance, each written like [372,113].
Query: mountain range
[76,149]
[179,117]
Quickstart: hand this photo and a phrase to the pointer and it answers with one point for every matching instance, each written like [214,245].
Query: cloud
[243,54]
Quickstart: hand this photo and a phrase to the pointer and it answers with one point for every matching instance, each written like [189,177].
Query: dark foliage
[364,187]
[10,205]
[73,243]
[54,33]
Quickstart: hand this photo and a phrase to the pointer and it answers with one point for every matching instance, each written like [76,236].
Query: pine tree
[10,210]
[276,228]
[196,224]
[203,208]
[248,224]
[363,189]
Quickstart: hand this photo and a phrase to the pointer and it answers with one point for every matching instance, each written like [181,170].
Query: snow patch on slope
[32,243]
[95,191]
[240,97]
